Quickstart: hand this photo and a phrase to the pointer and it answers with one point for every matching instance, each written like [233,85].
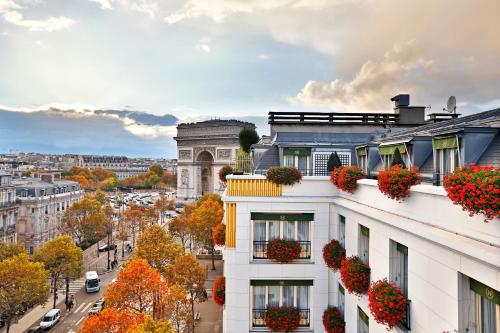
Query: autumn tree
[84,221]
[179,309]
[109,224]
[23,284]
[179,228]
[8,250]
[122,235]
[205,217]
[190,275]
[112,321]
[132,218]
[157,247]
[149,216]
[101,197]
[64,261]
[163,204]
[153,326]
[139,288]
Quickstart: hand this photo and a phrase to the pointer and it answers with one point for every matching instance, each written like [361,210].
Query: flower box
[219,234]
[345,178]
[387,303]
[219,293]
[395,182]
[283,175]
[333,320]
[282,318]
[283,250]
[225,171]
[355,275]
[333,254]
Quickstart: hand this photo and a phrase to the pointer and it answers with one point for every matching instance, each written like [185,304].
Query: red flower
[476,189]
[219,234]
[333,321]
[333,254]
[283,250]
[219,293]
[282,318]
[355,275]
[387,303]
[345,178]
[395,182]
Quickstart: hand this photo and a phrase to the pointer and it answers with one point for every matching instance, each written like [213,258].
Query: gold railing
[230,225]
[253,188]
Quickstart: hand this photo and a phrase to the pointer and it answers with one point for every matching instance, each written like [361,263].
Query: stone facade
[203,148]
[8,210]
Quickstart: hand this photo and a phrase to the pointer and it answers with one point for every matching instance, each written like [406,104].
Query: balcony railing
[260,249]
[332,118]
[406,323]
[259,317]
[8,204]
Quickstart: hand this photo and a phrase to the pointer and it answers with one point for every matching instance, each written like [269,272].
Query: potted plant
[282,318]
[387,303]
[333,320]
[219,234]
[225,171]
[333,254]
[396,181]
[345,178]
[476,189]
[219,294]
[283,250]
[283,175]
[355,275]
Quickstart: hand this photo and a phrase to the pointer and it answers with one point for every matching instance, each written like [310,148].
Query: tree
[397,159]
[190,275]
[132,217]
[333,162]
[139,288]
[247,137]
[108,226]
[152,326]
[179,228]
[179,308]
[163,204]
[112,321]
[157,169]
[149,216]
[63,259]
[10,250]
[101,197]
[157,247]
[122,235]
[23,284]
[212,196]
[84,221]
[204,218]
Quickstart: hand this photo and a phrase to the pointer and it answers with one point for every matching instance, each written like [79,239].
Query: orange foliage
[112,321]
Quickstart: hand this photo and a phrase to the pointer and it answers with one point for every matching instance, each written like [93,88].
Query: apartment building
[43,199]
[446,263]
[8,209]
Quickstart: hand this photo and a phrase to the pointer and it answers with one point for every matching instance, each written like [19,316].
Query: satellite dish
[451,106]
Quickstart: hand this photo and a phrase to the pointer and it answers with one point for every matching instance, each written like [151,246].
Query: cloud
[12,14]
[203,45]
[104,4]
[264,56]
[148,7]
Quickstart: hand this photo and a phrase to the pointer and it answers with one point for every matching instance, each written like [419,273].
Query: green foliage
[157,169]
[248,136]
[67,173]
[283,175]
[10,250]
[397,159]
[333,162]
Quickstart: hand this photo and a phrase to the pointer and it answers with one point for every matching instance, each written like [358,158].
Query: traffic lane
[72,321]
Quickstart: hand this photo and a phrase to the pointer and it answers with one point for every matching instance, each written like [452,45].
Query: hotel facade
[446,262]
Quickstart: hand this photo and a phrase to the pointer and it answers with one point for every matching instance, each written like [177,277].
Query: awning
[361,151]
[302,151]
[485,291]
[388,148]
[282,216]
[281,282]
[445,142]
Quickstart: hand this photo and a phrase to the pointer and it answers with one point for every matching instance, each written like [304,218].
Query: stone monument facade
[203,149]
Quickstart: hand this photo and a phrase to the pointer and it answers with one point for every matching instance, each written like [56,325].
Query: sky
[198,59]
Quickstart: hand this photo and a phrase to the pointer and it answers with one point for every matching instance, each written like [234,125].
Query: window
[486,306]
[362,153]
[298,158]
[364,243]
[399,266]
[321,159]
[446,161]
[363,321]
[293,293]
[341,300]
[269,226]
[46,209]
[9,197]
[341,238]
[32,210]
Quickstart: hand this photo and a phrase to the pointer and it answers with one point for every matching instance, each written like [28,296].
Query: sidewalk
[211,313]
[90,262]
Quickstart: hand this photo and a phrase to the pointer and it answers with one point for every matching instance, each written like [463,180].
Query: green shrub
[283,175]
[397,159]
[248,136]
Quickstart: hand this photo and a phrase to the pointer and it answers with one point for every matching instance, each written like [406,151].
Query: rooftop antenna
[451,105]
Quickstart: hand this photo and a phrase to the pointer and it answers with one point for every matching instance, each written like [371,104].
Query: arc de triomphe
[203,148]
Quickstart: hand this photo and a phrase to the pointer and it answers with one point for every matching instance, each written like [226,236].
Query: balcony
[259,317]
[260,249]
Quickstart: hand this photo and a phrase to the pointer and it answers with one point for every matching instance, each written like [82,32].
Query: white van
[50,319]
[92,282]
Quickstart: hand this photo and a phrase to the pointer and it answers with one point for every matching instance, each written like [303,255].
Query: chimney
[408,115]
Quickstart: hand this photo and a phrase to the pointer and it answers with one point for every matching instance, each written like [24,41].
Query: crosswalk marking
[78,308]
[86,307]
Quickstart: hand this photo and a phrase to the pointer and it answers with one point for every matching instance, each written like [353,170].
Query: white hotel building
[446,262]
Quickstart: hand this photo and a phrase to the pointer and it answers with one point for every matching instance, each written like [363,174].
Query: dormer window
[387,154]
[298,158]
[446,155]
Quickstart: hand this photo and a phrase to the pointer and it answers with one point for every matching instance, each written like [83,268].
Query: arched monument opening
[205,172]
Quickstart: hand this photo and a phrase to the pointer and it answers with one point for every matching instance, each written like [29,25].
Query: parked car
[106,247]
[50,319]
[35,329]
[97,307]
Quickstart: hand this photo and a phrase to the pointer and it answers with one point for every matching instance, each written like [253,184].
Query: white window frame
[398,270]
[362,247]
[479,317]
[328,153]
[341,230]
